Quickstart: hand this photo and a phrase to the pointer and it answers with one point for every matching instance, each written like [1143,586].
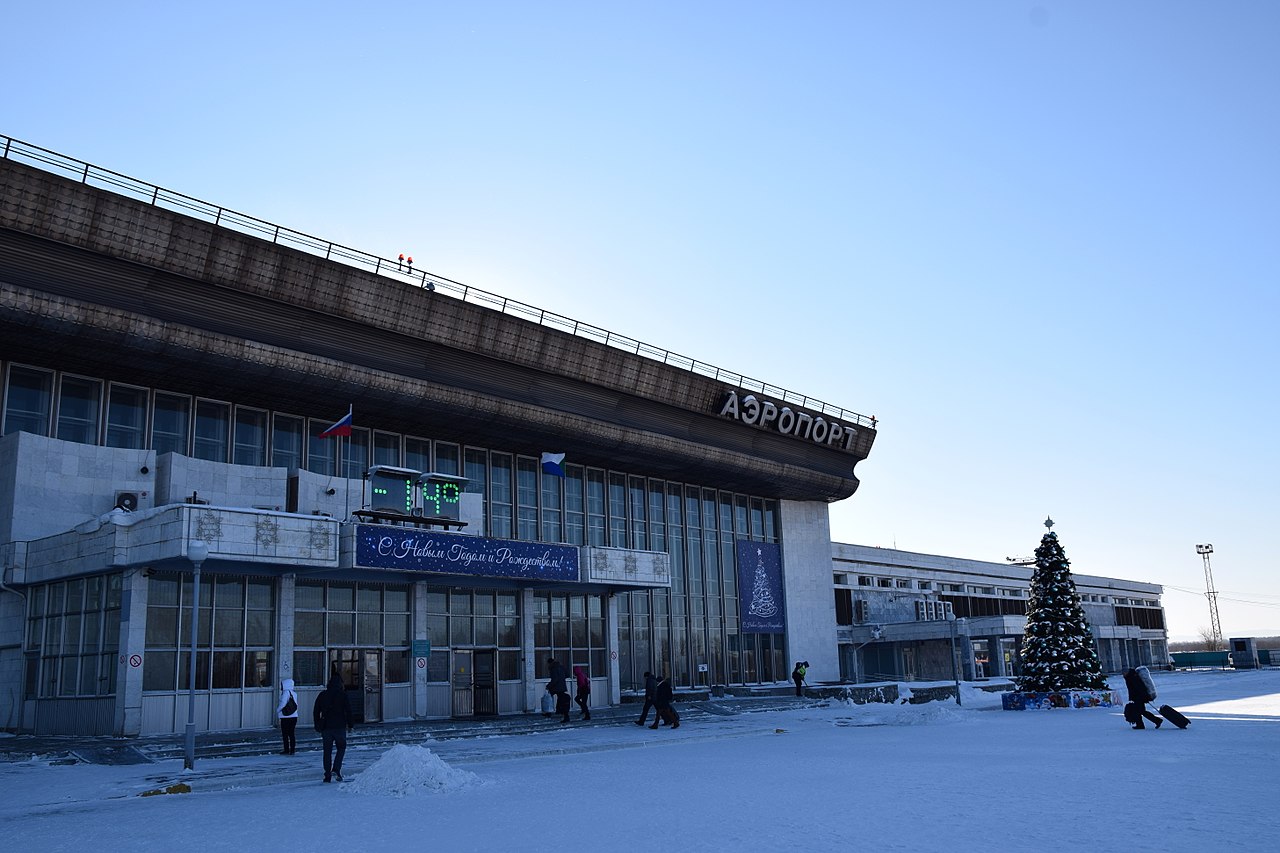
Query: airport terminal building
[170,369]
[179,480]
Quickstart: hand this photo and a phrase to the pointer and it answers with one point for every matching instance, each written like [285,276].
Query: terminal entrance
[361,672]
[474,681]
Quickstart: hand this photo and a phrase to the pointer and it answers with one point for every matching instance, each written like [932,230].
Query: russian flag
[342,427]
[553,464]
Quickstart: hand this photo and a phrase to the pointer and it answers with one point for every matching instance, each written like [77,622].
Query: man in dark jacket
[556,686]
[650,684]
[1139,695]
[332,718]
[662,699]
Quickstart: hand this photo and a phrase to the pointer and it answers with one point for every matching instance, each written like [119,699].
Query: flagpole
[346,513]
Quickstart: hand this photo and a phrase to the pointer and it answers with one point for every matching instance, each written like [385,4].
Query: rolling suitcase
[1174,716]
[1132,714]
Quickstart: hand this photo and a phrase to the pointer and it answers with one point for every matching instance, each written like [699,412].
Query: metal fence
[86,173]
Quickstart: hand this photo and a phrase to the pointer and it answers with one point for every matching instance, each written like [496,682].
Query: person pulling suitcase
[1141,691]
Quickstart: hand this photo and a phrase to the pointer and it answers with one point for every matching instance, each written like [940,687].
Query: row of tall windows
[692,629]
[72,638]
[571,629]
[473,618]
[349,615]
[235,633]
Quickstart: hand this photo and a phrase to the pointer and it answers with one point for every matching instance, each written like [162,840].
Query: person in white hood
[287,711]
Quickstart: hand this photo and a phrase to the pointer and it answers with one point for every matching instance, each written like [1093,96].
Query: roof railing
[86,173]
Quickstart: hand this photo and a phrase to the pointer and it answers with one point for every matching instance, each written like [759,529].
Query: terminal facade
[171,373]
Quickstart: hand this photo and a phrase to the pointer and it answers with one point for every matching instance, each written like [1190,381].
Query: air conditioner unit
[921,611]
[860,610]
[127,501]
[947,611]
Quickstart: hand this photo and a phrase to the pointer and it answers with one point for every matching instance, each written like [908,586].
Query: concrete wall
[810,600]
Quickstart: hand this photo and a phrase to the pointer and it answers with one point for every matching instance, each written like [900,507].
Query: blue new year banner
[760,587]
[417,550]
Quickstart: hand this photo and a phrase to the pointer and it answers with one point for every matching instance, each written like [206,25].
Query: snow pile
[406,770]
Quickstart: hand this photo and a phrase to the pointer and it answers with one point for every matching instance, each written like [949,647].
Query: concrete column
[532,688]
[809,589]
[284,626]
[611,641]
[133,640]
[420,634]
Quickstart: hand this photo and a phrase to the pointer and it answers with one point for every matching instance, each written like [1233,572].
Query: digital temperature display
[440,495]
[393,489]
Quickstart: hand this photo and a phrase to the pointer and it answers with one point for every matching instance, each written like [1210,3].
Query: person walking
[287,711]
[650,683]
[1139,695]
[583,697]
[662,699]
[332,718]
[556,687]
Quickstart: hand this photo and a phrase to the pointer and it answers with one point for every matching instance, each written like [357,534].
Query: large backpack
[1145,675]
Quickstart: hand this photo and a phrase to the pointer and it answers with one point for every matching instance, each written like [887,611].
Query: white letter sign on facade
[768,415]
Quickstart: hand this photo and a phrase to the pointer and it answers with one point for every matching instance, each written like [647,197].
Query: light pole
[1215,626]
[197,553]
[955,664]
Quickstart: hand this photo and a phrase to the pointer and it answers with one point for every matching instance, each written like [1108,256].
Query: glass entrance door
[371,684]
[461,680]
[485,681]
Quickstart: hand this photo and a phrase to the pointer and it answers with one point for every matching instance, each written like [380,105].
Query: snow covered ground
[932,777]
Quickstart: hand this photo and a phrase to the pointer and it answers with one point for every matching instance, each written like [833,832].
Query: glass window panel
[162,627]
[508,631]
[341,596]
[599,661]
[321,452]
[486,631]
[477,473]
[202,670]
[341,629]
[396,667]
[447,459]
[259,593]
[355,453]
[257,669]
[286,441]
[438,631]
[526,498]
[92,633]
[484,602]
[501,495]
[369,629]
[75,596]
[617,510]
[69,682]
[170,423]
[460,630]
[542,632]
[106,674]
[308,669]
[308,629]
[552,495]
[595,508]
[258,628]
[396,600]
[508,604]
[308,595]
[28,401]
[386,449]
[417,454]
[395,628]
[250,440]
[575,507]
[509,666]
[229,628]
[369,599]
[437,600]
[127,417]
[159,670]
[227,669]
[79,405]
[560,633]
[438,666]
[460,602]
[213,426]
[229,592]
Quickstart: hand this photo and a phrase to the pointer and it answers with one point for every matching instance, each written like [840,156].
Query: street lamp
[197,553]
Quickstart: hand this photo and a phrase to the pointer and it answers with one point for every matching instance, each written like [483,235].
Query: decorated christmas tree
[1057,646]
[762,603]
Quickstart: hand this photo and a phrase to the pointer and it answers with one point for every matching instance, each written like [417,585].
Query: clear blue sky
[1040,241]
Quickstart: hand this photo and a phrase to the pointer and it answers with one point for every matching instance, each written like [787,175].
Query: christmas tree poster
[760,587]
